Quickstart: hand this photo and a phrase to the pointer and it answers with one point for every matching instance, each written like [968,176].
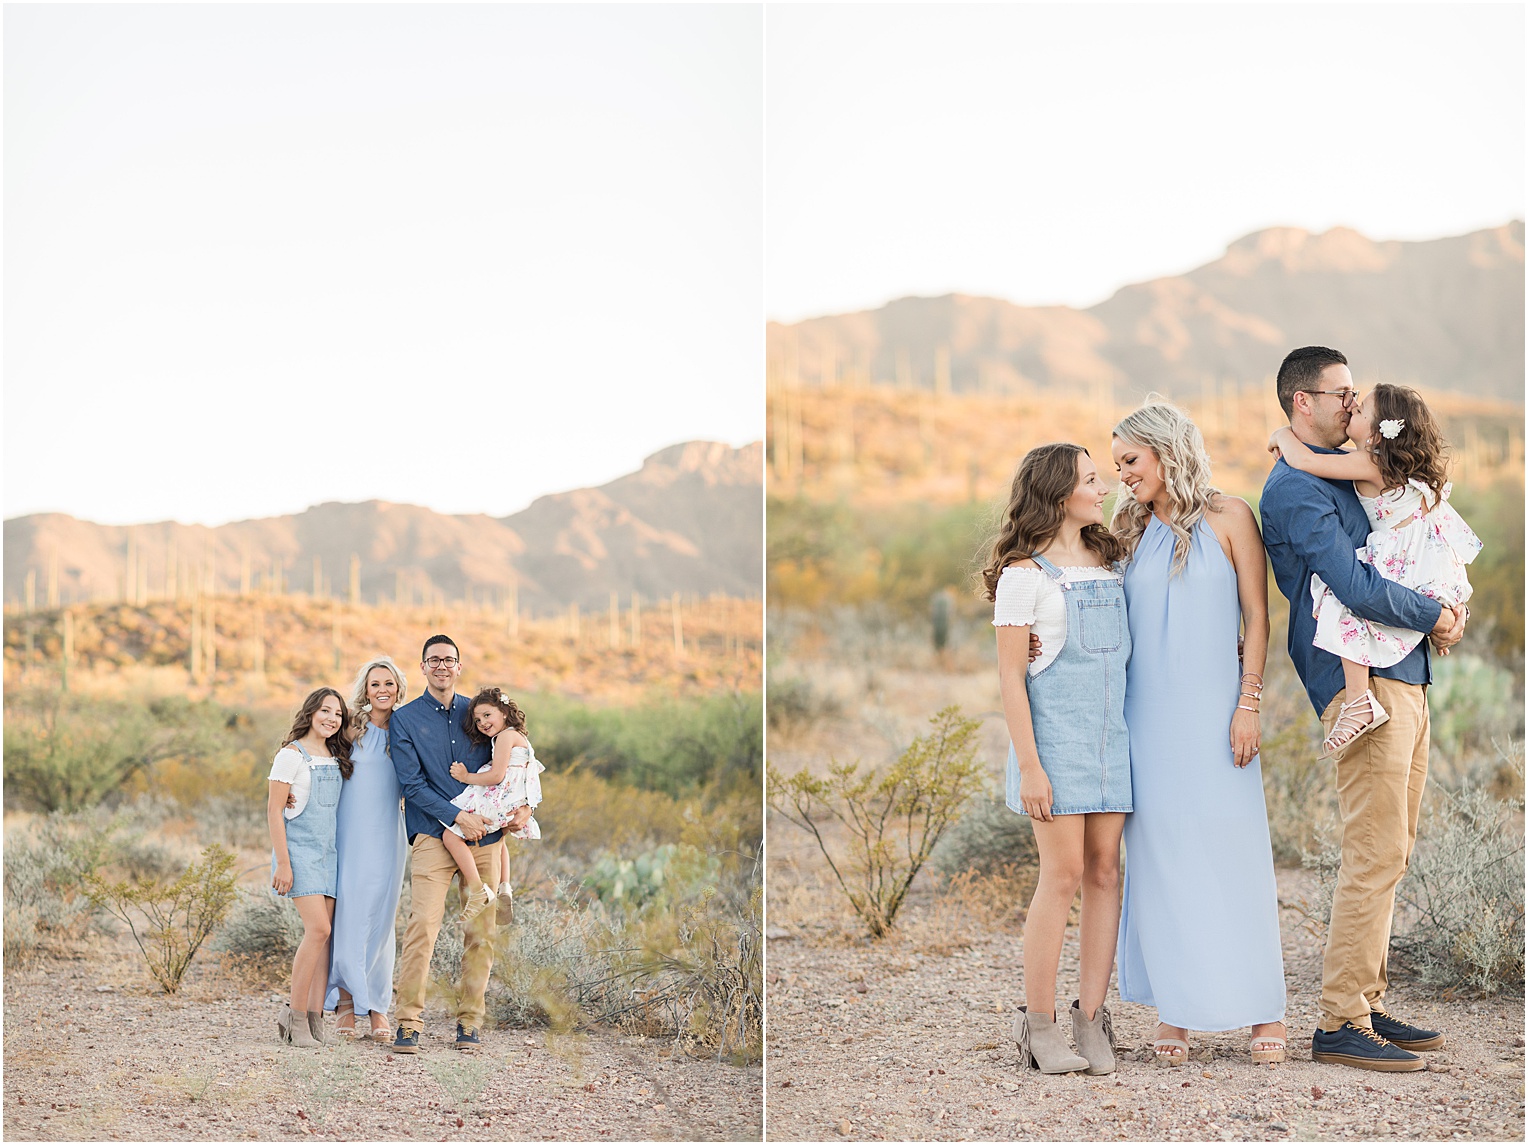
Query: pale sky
[1053,153]
[259,257]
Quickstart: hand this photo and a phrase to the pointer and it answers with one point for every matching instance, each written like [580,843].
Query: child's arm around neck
[1358,466]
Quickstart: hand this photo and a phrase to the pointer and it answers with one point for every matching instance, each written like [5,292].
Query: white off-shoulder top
[1029,596]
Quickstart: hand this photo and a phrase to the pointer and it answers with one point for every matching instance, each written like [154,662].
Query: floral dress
[1414,542]
[521,785]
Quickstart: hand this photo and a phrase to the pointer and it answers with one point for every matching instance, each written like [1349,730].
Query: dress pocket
[1101,625]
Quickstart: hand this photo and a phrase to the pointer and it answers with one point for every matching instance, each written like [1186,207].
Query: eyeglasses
[442,662]
[1349,397]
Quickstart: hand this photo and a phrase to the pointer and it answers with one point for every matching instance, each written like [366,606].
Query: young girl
[310,769]
[1053,571]
[1418,539]
[497,792]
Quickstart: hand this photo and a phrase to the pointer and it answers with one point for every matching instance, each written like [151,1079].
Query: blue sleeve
[416,789]
[1312,529]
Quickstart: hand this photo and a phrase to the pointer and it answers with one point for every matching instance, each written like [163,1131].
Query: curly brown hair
[1418,451]
[338,745]
[1045,478]
[496,698]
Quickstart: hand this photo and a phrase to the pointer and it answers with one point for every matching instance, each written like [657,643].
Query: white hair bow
[1391,428]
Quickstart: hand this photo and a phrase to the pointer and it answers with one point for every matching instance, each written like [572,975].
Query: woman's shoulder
[1231,508]
[1021,564]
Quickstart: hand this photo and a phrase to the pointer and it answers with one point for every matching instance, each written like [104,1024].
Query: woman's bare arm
[1251,568]
[275,805]
[499,767]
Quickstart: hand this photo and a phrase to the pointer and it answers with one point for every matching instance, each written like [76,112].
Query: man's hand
[1449,630]
[519,817]
[474,827]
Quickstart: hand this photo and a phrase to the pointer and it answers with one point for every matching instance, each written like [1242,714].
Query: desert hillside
[689,521]
[1446,314]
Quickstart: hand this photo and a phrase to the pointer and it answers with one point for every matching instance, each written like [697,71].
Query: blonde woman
[1199,932]
[371,852]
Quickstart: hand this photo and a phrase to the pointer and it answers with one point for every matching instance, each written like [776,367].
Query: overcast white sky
[1053,153]
[259,257]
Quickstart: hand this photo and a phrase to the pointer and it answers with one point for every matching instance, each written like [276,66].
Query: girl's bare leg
[1061,864]
[1100,905]
[503,860]
[1355,678]
[462,854]
[310,965]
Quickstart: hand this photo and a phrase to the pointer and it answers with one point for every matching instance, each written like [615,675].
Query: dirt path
[93,1051]
[908,1039]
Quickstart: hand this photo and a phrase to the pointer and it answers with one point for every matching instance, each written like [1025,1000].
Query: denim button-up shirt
[426,737]
[1312,525]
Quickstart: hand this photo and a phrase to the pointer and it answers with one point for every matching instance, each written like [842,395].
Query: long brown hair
[338,745]
[1418,451]
[1046,477]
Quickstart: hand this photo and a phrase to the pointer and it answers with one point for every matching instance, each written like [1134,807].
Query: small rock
[1206,1073]
[1439,1067]
[659,1108]
[113,990]
[844,1128]
[1518,1042]
[1317,1092]
[459,1122]
[777,934]
[1110,1104]
[997,1006]
[862,989]
[787,1083]
[1278,1127]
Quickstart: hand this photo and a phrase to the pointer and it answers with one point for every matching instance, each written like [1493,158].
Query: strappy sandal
[1347,728]
[476,902]
[383,1036]
[1171,1052]
[342,1010]
[1272,1051]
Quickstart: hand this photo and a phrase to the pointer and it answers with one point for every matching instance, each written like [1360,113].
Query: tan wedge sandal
[1266,1049]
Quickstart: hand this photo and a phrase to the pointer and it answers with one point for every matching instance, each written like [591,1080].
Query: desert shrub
[62,754]
[235,820]
[170,920]
[1299,790]
[688,970]
[987,839]
[1459,917]
[794,703]
[1463,895]
[893,819]
[262,927]
[681,747]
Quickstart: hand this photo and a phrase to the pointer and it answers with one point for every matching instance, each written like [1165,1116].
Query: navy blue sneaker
[1404,1034]
[1361,1047]
[467,1038]
[407,1041]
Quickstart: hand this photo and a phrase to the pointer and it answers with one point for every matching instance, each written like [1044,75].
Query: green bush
[987,839]
[669,871]
[794,703]
[675,746]
[62,754]
[261,926]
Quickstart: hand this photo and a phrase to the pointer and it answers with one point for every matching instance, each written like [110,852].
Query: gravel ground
[94,1051]
[908,1039]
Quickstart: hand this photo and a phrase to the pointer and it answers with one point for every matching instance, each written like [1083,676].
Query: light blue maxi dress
[371,848]
[1199,932]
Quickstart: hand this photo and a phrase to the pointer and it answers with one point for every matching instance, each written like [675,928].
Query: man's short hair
[1301,370]
[425,651]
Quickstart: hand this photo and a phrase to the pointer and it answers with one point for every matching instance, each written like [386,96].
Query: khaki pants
[1380,777]
[433,870]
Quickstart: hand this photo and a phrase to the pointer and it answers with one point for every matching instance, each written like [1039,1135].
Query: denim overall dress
[1077,703]
[310,833]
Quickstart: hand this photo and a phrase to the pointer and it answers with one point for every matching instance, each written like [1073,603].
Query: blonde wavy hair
[361,706]
[1184,467]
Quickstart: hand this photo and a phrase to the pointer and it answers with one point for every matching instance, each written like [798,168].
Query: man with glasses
[426,736]
[1313,526]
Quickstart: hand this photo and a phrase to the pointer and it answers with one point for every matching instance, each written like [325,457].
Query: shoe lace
[1370,1034]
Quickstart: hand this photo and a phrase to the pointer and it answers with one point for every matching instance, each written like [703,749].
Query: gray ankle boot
[1095,1038]
[301,1032]
[1042,1045]
[316,1025]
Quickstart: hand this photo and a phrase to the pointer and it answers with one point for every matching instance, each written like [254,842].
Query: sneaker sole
[398,1049]
[1434,1043]
[466,1047]
[1383,1065]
